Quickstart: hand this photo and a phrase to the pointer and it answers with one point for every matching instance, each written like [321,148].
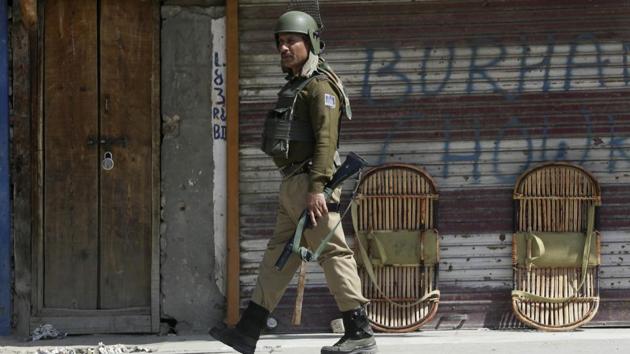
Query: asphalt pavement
[596,341]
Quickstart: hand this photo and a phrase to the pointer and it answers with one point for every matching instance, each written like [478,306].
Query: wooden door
[96,257]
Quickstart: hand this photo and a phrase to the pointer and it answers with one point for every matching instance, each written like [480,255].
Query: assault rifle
[353,164]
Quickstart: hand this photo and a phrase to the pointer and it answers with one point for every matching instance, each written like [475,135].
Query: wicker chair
[555,248]
[397,246]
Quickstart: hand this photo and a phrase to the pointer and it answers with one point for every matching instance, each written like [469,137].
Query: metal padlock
[108,162]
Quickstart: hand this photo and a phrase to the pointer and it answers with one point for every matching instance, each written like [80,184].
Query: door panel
[98,235]
[126,45]
[70,177]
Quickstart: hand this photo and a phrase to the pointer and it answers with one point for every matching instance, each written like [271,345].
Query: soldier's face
[293,50]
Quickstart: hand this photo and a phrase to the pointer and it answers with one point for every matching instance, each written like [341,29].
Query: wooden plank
[6,243]
[36,39]
[97,324]
[126,119]
[132,311]
[204,3]
[27,14]
[21,167]
[156,131]
[299,298]
[70,175]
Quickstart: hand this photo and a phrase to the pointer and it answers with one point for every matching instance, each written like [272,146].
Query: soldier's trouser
[336,259]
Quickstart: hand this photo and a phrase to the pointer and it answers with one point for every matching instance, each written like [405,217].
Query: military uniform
[318,105]
[301,134]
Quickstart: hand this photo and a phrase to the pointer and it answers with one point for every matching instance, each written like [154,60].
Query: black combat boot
[244,336]
[358,337]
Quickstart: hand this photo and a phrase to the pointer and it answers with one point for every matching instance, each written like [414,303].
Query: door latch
[120,141]
[107,142]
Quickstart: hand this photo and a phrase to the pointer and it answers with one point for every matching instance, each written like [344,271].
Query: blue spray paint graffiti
[473,157]
[384,64]
[525,68]
[545,63]
[513,123]
[559,152]
[447,74]
[388,69]
[599,64]
[478,70]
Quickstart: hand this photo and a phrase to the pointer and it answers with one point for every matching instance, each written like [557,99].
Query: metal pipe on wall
[5,199]
[233,230]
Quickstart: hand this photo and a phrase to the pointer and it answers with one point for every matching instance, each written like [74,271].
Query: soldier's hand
[316,206]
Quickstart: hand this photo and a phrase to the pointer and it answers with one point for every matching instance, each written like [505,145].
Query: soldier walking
[301,136]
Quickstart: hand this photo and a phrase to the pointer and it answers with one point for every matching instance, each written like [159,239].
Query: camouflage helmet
[300,22]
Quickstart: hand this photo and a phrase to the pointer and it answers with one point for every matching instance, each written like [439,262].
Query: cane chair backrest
[555,247]
[555,198]
[396,197]
[394,217]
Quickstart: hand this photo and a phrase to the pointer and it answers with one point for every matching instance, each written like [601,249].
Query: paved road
[595,341]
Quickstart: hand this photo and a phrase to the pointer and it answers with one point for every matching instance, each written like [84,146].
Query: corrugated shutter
[476,92]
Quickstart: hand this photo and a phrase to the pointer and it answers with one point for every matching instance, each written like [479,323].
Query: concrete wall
[189,292]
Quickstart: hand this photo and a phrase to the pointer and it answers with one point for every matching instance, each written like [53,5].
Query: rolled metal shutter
[476,92]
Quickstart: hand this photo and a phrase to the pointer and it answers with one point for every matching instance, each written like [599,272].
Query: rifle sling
[304,253]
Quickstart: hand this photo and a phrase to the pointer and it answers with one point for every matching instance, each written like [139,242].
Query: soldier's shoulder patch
[329,101]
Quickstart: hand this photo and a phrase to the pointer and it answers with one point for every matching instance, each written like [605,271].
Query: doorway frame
[27,172]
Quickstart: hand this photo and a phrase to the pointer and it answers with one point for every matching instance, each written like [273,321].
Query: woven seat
[397,252]
[555,243]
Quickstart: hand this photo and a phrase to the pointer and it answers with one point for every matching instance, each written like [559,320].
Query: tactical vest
[280,126]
